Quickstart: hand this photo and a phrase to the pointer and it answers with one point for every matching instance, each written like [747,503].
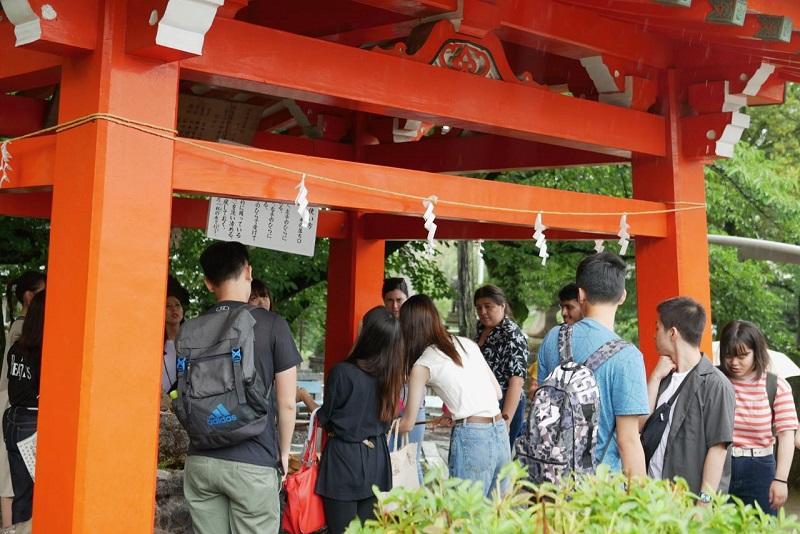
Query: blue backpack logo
[220,416]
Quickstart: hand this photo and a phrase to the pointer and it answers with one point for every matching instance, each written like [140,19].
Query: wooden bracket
[615,88]
[713,135]
[62,27]
[169,30]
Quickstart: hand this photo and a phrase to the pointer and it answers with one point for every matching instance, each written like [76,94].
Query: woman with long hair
[757,476]
[19,420]
[361,397]
[505,349]
[20,291]
[454,367]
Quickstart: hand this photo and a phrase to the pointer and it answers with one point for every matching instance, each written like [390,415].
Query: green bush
[603,503]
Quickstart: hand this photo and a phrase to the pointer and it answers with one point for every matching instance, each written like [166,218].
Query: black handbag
[657,423]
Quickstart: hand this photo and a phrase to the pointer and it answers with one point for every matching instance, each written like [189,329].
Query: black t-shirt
[275,352]
[24,369]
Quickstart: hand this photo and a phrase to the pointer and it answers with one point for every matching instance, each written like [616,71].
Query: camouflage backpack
[561,434]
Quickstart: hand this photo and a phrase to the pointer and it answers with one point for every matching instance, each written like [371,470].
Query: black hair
[390,284]
[378,351]
[494,293]
[602,277]
[30,340]
[686,315]
[27,281]
[224,260]
[260,288]
[175,289]
[736,339]
[568,292]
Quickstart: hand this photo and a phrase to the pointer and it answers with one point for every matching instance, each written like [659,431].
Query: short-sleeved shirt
[753,424]
[275,352]
[621,380]
[24,370]
[506,351]
[467,389]
[702,417]
[351,413]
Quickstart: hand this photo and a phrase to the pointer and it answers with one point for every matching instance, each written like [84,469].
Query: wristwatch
[704,498]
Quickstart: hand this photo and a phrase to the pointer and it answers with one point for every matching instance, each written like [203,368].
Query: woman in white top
[456,370]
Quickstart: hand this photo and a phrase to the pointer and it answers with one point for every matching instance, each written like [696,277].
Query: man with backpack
[692,403]
[592,386]
[228,361]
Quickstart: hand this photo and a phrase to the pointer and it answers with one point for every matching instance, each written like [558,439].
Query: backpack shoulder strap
[565,343]
[772,391]
[606,351]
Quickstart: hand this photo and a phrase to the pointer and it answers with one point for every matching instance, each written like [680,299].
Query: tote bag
[404,460]
[304,512]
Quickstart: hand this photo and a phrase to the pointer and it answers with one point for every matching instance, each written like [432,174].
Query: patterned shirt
[506,351]
[752,426]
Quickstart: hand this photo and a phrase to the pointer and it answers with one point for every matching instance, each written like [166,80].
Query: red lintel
[371,188]
[24,69]
[21,115]
[476,153]
[62,28]
[415,8]
[186,212]
[402,228]
[783,8]
[578,32]
[379,83]
[33,163]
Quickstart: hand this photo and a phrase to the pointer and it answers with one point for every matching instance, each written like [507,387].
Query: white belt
[755,453]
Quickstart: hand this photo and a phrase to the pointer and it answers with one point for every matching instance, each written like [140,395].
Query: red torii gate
[537,84]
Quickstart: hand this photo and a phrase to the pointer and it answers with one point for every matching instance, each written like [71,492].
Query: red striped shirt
[752,426]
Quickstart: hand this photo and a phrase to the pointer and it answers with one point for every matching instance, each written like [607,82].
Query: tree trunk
[465,287]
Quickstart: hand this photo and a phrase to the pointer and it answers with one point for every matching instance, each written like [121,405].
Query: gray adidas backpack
[561,434]
[222,400]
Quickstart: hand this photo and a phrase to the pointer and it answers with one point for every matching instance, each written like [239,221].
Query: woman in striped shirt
[756,474]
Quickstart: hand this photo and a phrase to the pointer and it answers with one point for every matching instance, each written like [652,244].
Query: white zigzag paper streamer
[480,249]
[624,236]
[430,226]
[599,245]
[301,201]
[5,163]
[541,240]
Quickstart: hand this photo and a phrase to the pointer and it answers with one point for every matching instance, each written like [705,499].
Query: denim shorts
[478,451]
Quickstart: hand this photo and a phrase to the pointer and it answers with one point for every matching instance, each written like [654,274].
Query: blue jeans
[751,479]
[478,451]
[19,423]
[515,429]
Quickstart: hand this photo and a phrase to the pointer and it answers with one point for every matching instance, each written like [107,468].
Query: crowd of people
[723,429]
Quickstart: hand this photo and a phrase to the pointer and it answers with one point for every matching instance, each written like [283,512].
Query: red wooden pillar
[98,419]
[677,264]
[355,277]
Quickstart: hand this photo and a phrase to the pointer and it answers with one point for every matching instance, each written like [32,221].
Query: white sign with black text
[272,225]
